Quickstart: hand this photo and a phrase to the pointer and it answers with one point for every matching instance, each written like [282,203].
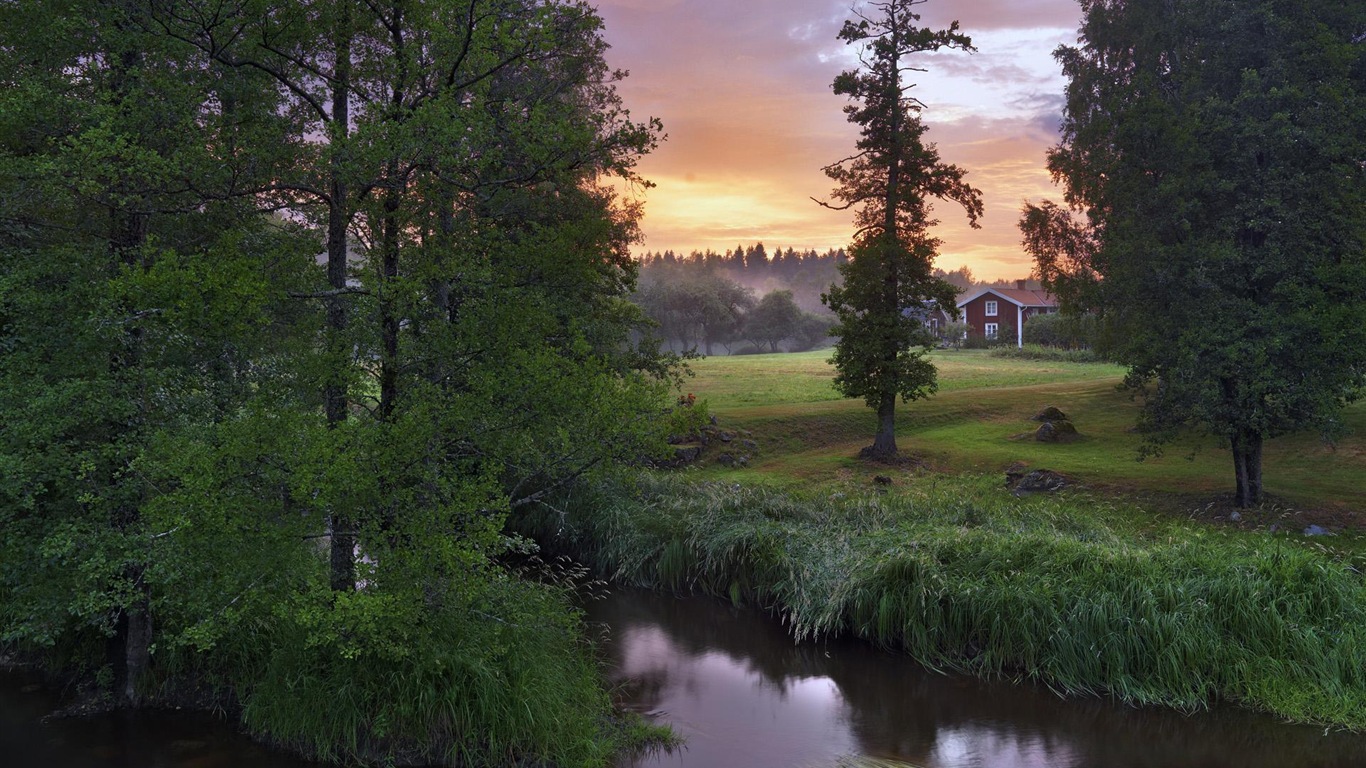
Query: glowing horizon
[744,93]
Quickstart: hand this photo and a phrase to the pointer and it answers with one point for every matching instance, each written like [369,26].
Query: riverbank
[1082,593]
[743,695]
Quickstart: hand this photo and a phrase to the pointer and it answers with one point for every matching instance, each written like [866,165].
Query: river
[734,684]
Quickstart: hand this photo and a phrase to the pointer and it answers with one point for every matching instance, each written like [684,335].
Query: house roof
[1016,296]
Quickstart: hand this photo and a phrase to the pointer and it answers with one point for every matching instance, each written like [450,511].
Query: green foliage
[1005,337]
[1072,592]
[1062,331]
[891,182]
[1040,352]
[205,429]
[775,319]
[1212,150]
[708,308]
[812,331]
[975,341]
[688,416]
[956,334]
[495,671]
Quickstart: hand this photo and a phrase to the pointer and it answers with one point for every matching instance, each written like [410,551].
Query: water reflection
[744,694]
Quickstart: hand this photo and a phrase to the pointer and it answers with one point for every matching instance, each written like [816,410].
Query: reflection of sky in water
[741,693]
[978,745]
[732,714]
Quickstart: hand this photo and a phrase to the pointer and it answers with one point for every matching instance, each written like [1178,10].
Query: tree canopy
[1212,160]
[283,276]
[891,183]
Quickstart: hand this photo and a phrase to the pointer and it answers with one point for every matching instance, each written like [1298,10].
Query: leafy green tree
[1066,331]
[891,182]
[776,318]
[192,399]
[1212,159]
[812,331]
[137,321]
[705,307]
[955,333]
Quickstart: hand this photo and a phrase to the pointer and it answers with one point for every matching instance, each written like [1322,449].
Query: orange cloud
[744,93]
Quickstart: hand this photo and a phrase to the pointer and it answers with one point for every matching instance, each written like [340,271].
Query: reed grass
[1073,592]
[503,678]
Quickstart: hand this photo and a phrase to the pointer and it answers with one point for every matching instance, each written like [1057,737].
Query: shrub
[1005,337]
[975,341]
[955,333]
[1064,331]
[1052,354]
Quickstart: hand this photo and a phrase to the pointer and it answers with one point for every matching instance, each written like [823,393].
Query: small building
[931,315]
[989,311]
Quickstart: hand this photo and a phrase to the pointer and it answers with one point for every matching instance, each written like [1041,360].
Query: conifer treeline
[754,259]
[806,273]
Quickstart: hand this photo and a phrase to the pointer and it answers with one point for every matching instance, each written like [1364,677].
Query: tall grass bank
[1071,592]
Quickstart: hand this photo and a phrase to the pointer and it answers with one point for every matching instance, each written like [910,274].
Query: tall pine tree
[891,183]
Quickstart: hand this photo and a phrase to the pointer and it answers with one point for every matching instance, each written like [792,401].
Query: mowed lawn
[979,422]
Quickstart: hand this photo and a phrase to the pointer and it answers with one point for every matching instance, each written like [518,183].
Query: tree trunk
[137,642]
[343,543]
[128,231]
[1247,468]
[389,322]
[389,234]
[884,443]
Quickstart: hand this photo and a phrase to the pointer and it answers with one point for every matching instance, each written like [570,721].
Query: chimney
[1019,285]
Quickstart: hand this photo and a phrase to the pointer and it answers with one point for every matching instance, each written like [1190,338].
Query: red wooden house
[990,311]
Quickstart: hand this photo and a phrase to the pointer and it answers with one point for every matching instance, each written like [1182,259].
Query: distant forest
[806,273]
[733,301]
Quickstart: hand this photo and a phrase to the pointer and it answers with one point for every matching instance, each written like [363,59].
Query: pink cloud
[744,93]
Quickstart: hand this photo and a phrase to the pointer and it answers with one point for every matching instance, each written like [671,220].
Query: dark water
[734,684]
[120,740]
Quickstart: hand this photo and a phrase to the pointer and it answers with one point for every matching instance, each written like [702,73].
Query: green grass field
[979,422]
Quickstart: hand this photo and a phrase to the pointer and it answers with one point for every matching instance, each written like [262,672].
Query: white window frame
[992,309]
[991,329]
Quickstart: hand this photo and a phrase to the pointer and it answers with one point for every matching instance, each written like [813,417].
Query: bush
[1005,337]
[1051,354]
[749,349]
[1062,331]
[955,333]
[975,341]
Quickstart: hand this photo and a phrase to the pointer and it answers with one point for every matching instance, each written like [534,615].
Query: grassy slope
[979,421]
[1088,592]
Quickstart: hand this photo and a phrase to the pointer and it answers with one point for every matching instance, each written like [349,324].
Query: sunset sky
[743,88]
